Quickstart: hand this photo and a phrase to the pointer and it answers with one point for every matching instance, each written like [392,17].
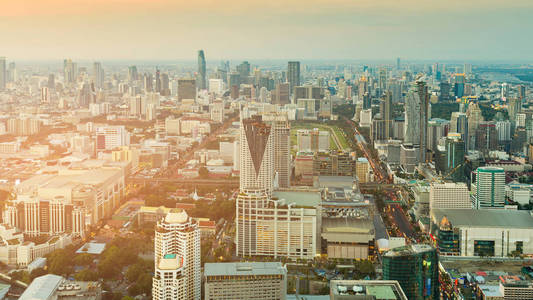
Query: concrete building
[264,227]
[488,188]
[177,257]
[170,279]
[362,168]
[366,289]
[247,280]
[486,232]
[256,155]
[186,89]
[52,287]
[313,140]
[281,133]
[449,195]
[110,137]
[416,268]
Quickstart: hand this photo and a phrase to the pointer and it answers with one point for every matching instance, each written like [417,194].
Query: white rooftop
[42,288]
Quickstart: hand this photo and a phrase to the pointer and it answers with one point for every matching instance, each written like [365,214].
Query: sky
[273,29]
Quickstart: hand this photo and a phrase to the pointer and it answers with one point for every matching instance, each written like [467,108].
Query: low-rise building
[488,232]
[248,280]
[366,289]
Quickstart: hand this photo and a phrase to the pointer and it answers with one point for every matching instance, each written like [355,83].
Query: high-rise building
[293,75]
[361,169]
[488,188]
[35,217]
[177,258]
[503,128]
[157,81]
[132,73]
[459,124]
[244,69]
[186,89]
[98,75]
[246,280]
[444,91]
[51,81]
[449,195]
[521,92]
[398,63]
[486,137]
[280,128]
[514,106]
[416,118]
[281,94]
[263,227]
[455,157]
[70,71]
[3,73]
[459,85]
[23,126]
[416,268]
[111,137]
[202,75]
[475,117]
[257,155]
[148,83]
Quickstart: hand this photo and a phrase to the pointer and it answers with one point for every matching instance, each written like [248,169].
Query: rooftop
[379,289]
[494,218]
[42,287]
[92,248]
[170,262]
[244,268]
[408,250]
[299,198]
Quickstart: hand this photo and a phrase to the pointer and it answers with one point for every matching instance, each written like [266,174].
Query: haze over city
[234,29]
[275,150]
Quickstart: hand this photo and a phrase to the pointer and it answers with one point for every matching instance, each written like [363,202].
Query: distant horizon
[487,30]
[216,61]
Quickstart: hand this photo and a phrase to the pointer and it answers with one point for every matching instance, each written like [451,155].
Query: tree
[203,172]
[86,275]
[83,259]
[60,262]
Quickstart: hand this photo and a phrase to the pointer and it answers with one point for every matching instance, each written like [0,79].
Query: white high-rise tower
[256,155]
[177,258]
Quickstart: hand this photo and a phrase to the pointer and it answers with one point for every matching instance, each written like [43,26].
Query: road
[397,215]
[400,219]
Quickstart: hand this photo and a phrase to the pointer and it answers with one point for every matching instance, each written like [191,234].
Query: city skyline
[340,29]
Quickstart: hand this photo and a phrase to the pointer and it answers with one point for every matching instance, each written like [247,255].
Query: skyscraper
[459,85]
[202,76]
[157,81]
[455,157]
[256,155]
[398,63]
[416,117]
[279,124]
[293,75]
[488,189]
[70,71]
[98,75]
[186,89]
[416,267]
[132,73]
[3,73]
[177,255]
[244,69]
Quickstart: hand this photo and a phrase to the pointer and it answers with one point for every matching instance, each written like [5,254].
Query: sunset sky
[238,29]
